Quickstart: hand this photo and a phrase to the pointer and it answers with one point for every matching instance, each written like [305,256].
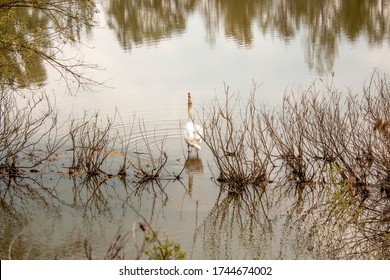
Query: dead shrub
[238,139]
[320,127]
[28,132]
[91,144]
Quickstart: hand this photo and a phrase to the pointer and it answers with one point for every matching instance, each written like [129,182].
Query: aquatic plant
[164,250]
[91,144]
[320,126]
[28,132]
[150,245]
[238,140]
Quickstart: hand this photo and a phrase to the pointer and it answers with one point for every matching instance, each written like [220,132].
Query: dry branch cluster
[319,129]
[238,140]
[91,144]
[321,139]
[93,147]
[28,135]
[315,130]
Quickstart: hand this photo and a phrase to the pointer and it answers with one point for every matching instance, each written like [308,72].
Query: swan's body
[192,132]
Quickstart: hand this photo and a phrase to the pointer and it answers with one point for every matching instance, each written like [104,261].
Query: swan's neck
[190,117]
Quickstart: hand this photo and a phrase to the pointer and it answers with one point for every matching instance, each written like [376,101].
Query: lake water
[150,54]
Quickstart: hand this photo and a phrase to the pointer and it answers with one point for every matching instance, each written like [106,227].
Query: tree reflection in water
[34,32]
[146,22]
[323,24]
[20,196]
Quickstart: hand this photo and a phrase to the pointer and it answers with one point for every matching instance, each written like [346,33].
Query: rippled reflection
[239,219]
[290,221]
[323,26]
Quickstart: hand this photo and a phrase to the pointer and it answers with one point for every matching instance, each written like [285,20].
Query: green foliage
[338,198]
[341,198]
[387,238]
[166,250]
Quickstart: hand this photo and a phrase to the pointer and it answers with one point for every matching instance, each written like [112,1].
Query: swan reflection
[193,165]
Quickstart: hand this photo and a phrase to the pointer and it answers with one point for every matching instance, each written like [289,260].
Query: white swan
[193,133]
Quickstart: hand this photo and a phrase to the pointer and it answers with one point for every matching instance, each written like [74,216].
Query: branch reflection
[239,219]
[329,222]
[22,199]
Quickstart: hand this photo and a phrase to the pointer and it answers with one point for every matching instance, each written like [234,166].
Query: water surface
[151,53]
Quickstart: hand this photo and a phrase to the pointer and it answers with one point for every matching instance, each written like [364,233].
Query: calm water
[151,53]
